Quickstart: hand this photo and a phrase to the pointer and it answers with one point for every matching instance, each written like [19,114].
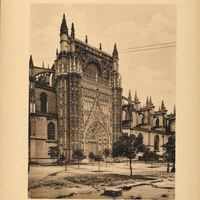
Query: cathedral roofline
[90,47]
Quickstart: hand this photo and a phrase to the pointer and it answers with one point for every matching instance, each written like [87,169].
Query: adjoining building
[155,127]
[77,103]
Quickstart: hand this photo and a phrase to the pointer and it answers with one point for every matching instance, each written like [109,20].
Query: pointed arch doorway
[96,139]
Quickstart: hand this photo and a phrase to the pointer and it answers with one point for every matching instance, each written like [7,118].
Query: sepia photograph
[102,101]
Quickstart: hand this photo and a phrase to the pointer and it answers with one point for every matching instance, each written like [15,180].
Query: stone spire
[150,102]
[43,64]
[129,97]
[63,27]
[136,98]
[86,39]
[100,47]
[147,102]
[163,106]
[115,52]
[31,65]
[72,32]
[129,94]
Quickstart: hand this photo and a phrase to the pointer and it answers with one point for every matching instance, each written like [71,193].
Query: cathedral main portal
[96,138]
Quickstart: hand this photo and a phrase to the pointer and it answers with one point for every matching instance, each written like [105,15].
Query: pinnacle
[72,31]
[86,39]
[63,28]
[129,94]
[115,52]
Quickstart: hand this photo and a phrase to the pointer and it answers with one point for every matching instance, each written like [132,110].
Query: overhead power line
[146,49]
[151,45]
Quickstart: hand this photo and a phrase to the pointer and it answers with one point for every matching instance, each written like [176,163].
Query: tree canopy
[128,146]
[78,155]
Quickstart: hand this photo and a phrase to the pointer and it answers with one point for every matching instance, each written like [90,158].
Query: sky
[150,73]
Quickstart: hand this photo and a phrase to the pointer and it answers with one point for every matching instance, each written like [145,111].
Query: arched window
[157,122]
[51,131]
[156,143]
[93,71]
[43,102]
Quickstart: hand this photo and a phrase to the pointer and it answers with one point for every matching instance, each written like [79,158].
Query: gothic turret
[63,36]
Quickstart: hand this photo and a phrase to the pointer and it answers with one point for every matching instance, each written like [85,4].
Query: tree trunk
[106,161]
[168,167]
[173,167]
[130,161]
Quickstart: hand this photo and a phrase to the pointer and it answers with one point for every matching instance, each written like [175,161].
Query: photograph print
[102,95]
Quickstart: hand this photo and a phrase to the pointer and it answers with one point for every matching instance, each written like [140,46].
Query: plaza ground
[88,183]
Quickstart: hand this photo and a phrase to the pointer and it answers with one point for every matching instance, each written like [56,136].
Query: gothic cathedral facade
[77,103]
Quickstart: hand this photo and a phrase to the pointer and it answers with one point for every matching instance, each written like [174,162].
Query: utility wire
[135,50]
[152,45]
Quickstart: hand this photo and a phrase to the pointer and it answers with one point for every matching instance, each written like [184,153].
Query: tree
[98,157]
[145,155]
[150,156]
[128,146]
[91,156]
[53,152]
[78,155]
[170,154]
[106,153]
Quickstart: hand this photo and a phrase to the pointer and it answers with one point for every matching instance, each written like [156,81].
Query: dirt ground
[53,182]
